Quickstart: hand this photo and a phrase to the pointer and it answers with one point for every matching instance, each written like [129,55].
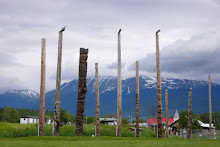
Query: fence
[200,134]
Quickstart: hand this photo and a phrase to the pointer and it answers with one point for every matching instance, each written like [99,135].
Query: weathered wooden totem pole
[210,110]
[56,122]
[137,99]
[97,124]
[119,111]
[82,89]
[189,115]
[159,97]
[166,113]
[42,88]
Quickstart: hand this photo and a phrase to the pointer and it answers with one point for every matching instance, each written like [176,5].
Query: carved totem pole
[189,115]
[42,88]
[97,132]
[119,111]
[82,89]
[159,97]
[56,122]
[137,99]
[210,110]
[166,113]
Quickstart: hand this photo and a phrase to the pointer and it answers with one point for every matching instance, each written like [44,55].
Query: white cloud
[93,25]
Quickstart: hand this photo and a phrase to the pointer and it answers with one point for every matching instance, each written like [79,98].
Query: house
[153,121]
[108,121]
[32,120]
[29,120]
[205,126]
[171,121]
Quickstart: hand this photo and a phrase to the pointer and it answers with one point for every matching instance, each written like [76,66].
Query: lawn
[103,141]
[12,134]
[13,130]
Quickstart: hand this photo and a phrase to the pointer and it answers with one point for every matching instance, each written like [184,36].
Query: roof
[108,119]
[152,121]
[29,117]
[205,125]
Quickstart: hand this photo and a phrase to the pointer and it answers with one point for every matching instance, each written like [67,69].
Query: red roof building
[153,121]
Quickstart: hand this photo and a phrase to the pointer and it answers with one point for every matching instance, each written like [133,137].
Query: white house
[32,120]
[29,120]
[108,121]
[205,126]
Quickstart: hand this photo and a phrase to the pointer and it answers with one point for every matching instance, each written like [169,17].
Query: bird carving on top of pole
[63,29]
[157,31]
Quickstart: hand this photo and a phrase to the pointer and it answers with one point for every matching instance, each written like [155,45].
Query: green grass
[12,134]
[103,141]
[13,130]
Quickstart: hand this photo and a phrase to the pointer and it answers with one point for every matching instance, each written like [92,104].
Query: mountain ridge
[177,88]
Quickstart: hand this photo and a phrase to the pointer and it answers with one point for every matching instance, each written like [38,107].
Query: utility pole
[137,99]
[58,81]
[82,89]
[189,114]
[119,111]
[97,99]
[210,110]
[159,97]
[42,88]
[166,107]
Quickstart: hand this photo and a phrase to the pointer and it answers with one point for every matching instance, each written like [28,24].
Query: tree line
[204,117]
[12,115]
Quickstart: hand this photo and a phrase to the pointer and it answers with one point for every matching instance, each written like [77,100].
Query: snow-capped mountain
[24,94]
[178,90]
[18,98]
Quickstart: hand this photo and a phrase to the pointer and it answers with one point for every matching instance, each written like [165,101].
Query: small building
[29,120]
[108,121]
[205,126]
[153,121]
[172,122]
[32,120]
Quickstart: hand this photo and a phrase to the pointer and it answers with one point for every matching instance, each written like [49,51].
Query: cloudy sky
[189,38]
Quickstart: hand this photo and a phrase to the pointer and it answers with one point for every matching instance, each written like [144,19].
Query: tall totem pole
[189,115]
[166,113]
[82,89]
[42,88]
[210,110]
[137,99]
[97,132]
[58,81]
[119,87]
[159,97]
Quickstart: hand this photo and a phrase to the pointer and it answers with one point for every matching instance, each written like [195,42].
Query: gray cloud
[114,65]
[196,57]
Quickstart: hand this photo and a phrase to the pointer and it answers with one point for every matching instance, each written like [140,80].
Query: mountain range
[178,90]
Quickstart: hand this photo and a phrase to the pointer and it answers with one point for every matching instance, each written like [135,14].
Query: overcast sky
[189,38]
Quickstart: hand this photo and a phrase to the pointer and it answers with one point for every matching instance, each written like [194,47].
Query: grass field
[12,134]
[104,141]
[13,130]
